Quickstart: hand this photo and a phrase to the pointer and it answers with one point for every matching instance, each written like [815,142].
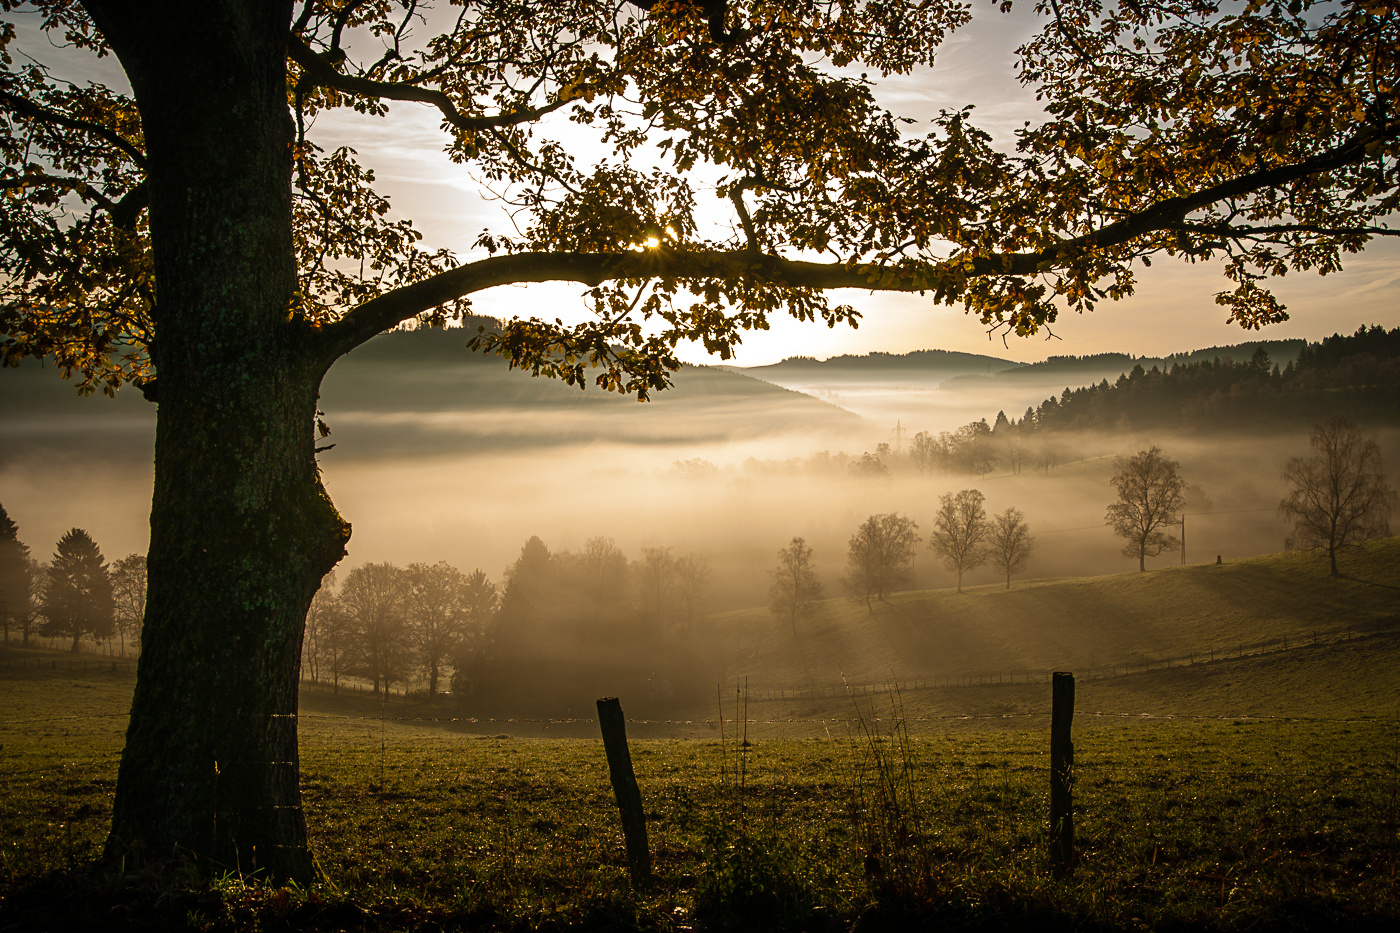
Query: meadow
[1257,789]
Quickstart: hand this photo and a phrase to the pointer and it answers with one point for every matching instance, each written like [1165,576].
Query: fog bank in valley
[443,456]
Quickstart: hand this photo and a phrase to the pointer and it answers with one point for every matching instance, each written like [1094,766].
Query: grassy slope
[1086,624]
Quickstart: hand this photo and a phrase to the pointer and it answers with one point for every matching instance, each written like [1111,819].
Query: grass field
[1240,793]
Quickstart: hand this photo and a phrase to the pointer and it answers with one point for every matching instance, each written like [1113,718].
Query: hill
[402,393]
[1131,621]
[1356,375]
[926,364]
[1070,371]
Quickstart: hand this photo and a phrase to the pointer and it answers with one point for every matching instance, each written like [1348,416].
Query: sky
[1174,309]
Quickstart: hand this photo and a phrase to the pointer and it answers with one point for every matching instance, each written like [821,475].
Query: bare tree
[959,530]
[795,588]
[658,575]
[924,452]
[435,611]
[1339,495]
[32,610]
[1151,494]
[318,645]
[129,593]
[692,577]
[373,598]
[879,555]
[1009,542]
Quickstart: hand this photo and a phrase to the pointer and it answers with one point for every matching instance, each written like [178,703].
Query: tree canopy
[749,166]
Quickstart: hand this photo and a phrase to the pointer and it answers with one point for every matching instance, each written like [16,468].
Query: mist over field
[441,455]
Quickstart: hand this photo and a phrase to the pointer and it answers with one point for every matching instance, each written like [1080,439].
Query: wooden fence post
[624,783]
[1062,776]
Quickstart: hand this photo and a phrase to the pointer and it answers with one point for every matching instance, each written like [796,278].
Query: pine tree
[78,600]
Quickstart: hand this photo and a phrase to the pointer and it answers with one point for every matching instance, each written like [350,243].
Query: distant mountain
[941,364]
[422,392]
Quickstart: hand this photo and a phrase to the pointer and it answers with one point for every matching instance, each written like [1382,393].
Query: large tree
[1338,496]
[189,235]
[1151,494]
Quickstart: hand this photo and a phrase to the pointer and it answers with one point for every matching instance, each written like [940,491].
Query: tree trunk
[241,529]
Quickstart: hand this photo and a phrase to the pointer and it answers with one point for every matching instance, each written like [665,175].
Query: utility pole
[1183,539]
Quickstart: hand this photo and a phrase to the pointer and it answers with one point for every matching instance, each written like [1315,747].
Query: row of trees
[880,555]
[389,624]
[75,596]
[1337,497]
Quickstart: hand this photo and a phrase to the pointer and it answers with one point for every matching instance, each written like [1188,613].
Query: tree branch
[380,314]
[1172,212]
[27,108]
[320,73]
[392,308]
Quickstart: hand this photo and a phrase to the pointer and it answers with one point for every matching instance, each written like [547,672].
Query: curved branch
[392,308]
[318,72]
[380,314]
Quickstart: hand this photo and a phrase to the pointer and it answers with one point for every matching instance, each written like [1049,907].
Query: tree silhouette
[14,574]
[435,607]
[878,556]
[78,599]
[795,588]
[1009,543]
[959,532]
[193,237]
[1150,496]
[129,595]
[373,598]
[1339,495]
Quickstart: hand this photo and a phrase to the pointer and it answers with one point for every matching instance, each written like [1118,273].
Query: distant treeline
[1357,376]
[559,630]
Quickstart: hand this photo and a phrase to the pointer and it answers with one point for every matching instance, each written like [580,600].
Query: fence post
[1061,776]
[624,783]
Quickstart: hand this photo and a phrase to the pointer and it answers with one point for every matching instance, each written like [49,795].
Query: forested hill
[941,364]
[1078,370]
[1357,376]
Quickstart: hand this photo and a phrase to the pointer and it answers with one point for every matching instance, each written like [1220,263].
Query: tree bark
[241,530]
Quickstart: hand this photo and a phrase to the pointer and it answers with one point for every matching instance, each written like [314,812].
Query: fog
[727,467]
